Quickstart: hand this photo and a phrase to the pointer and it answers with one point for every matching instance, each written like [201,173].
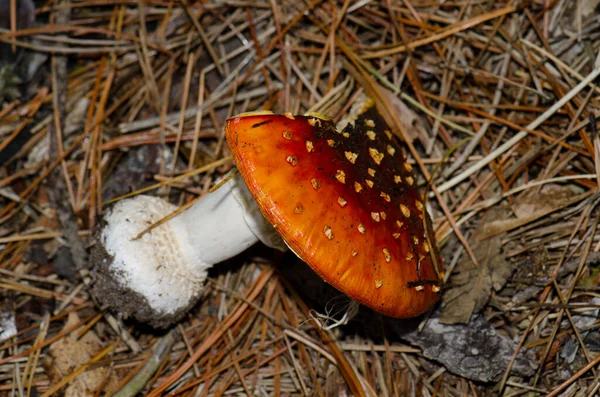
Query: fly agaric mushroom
[344,201]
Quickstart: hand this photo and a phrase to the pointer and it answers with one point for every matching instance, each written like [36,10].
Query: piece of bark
[474,350]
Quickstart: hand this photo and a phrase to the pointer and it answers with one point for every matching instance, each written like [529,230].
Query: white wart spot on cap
[371,134]
[358,187]
[387,255]
[378,283]
[419,205]
[287,135]
[293,160]
[313,122]
[310,147]
[375,215]
[328,232]
[409,180]
[351,156]
[391,150]
[376,155]
[361,228]
[342,201]
[405,210]
[316,184]
[340,176]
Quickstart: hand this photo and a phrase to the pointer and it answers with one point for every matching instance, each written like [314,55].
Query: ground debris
[472,285]
[71,352]
[497,102]
[474,350]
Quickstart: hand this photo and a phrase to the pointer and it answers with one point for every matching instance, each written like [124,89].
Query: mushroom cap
[345,202]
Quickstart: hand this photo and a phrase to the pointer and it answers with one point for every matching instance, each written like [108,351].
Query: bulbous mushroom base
[153,279]
[124,301]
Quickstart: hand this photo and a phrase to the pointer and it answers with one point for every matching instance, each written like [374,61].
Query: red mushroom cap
[345,203]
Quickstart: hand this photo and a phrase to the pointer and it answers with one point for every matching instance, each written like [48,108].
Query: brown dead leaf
[589,7]
[411,122]
[554,204]
[471,287]
[542,201]
[71,352]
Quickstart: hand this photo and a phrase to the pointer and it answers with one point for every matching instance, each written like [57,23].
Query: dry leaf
[503,225]
[541,202]
[471,287]
[71,352]
[589,7]
[411,122]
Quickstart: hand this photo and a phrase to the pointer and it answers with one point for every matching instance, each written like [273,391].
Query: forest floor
[497,100]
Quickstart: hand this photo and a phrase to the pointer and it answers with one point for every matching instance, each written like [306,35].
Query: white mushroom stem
[168,264]
[225,223]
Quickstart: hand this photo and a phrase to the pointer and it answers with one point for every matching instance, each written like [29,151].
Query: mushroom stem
[224,223]
[159,276]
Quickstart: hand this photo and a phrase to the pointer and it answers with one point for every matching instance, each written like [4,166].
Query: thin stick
[449,31]
[141,378]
